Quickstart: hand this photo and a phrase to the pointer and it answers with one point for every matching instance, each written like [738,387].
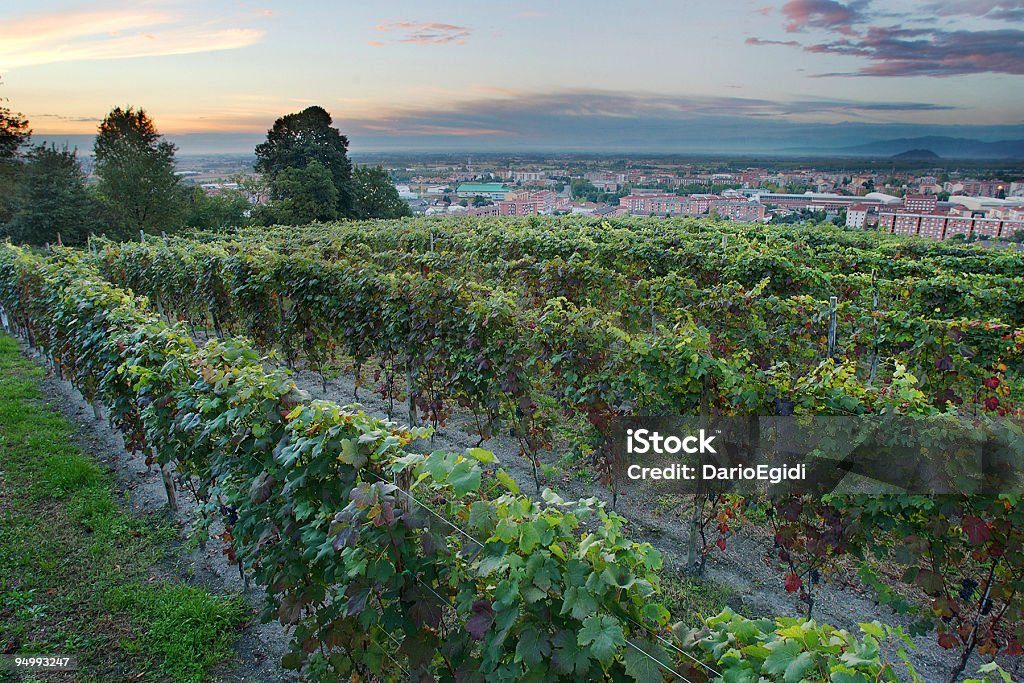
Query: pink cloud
[820,14]
[426,32]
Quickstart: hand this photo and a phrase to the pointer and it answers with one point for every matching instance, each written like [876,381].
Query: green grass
[77,573]
[185,628]
[690,599]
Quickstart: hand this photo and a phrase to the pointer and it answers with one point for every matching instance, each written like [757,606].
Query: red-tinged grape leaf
[425,612]
[356,602]
[793,583]
[480,620]
[976,529]
[721,544]
[948,641]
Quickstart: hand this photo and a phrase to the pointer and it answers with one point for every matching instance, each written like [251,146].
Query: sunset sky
[513,75]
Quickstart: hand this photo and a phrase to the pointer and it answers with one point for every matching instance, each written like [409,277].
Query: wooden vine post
[700,497]
[832,305]
[165,473]
[410,389]
[874,316]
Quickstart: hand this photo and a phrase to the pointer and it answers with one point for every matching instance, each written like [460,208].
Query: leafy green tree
[135,167]
[375,195]
[300,195]
[582,188]
[297,140]
[14,133]
[228,209]
[53,199]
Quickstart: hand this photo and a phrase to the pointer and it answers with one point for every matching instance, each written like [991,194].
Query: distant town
[975,203]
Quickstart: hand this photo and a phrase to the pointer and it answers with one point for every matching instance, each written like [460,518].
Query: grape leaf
[604,636]
[481,620]
[642,662]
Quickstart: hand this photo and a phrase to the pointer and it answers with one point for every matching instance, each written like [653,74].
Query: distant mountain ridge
[944,147]
[917,154]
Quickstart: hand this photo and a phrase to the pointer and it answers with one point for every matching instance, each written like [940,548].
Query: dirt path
[259,647]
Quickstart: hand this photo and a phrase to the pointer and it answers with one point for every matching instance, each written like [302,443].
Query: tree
[135,167]
[227,209]
[300,195]
[375,196]
[53,198]
[14,133]
[297,140]
[581,188]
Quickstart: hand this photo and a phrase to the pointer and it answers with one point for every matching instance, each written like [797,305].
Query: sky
[569,75]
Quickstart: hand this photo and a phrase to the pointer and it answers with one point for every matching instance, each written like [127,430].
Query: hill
[917,154]
[942,147]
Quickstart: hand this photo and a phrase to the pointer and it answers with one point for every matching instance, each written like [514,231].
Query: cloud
[1001,10]
[909,44]
[374,43]
[610,122]
[426,32]
[526,115]
[65,118]
[112,34]
[906,52]
[759,42]
[829,14]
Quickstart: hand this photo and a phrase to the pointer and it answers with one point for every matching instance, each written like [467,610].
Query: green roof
[482,187]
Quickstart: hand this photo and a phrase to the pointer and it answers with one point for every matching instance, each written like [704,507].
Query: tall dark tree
[375,195]
[296,140]
[135,167]
[53,199]
[14,134]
